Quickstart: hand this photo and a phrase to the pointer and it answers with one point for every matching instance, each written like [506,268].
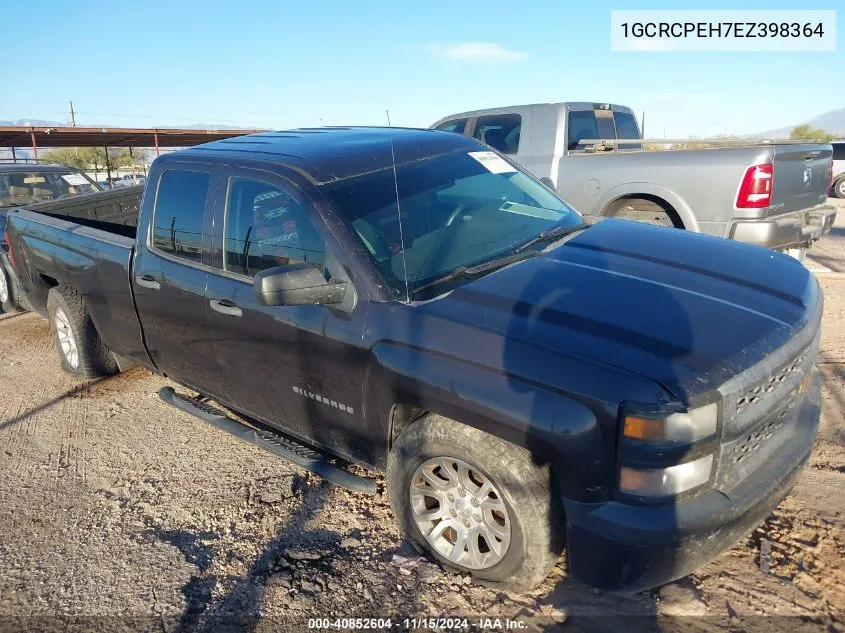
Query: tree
[809,133]
[86,158]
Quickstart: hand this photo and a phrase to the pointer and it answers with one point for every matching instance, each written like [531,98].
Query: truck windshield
[18,188]
[458,210]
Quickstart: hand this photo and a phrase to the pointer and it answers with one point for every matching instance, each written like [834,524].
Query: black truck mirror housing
[297,285]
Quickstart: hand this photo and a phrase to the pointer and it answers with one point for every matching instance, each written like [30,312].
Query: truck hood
[686,310]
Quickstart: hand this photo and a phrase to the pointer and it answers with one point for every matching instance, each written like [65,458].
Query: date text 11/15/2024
[415,624]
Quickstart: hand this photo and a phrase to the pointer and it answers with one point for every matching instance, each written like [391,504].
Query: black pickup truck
[412,302]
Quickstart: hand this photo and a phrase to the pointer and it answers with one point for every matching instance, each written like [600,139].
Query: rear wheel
[81,350]
[645,211]
[476,503]
[7,303]
[839,188]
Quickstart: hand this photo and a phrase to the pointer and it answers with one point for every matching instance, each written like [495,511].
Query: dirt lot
[119,512]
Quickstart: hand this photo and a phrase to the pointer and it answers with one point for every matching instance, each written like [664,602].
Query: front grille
[748,446]
[768,385]
[759,414]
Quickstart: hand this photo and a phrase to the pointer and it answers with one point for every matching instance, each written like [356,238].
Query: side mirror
[297,285]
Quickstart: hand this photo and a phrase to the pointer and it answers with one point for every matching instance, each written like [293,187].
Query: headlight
[687,427]
[666,481]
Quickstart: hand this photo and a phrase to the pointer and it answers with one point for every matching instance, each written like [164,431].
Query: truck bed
[117,207]
[94,256]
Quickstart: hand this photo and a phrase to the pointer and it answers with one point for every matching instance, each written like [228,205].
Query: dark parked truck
[24,184]
[410,301]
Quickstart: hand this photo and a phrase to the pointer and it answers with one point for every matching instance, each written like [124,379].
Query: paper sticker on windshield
[493,163]
[74,179]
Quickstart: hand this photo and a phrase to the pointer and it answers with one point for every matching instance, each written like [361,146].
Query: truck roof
[327,154]
[572,105]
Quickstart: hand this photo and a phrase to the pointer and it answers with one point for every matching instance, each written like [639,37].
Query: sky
[282,64]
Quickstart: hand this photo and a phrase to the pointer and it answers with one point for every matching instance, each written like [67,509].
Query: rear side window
[499,131]
[582,125]
[626,126]
[458,126]
[177,220]
[839,151]
[267,227]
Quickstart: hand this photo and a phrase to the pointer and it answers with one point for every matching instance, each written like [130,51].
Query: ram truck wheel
[476,503]
[81,350]
[639,210]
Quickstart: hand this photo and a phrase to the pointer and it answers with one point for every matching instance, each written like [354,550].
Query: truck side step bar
[279,445]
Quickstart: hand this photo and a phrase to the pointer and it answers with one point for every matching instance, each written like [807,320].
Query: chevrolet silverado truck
[411,302]
[766,193]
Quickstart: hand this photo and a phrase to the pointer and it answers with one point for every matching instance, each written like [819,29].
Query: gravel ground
[828,254]
[117,511]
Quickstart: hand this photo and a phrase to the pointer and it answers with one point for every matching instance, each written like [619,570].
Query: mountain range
[833,122]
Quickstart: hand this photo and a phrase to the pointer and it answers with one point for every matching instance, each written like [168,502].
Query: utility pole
[72,116]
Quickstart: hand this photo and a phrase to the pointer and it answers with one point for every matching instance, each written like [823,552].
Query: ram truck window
[413,302]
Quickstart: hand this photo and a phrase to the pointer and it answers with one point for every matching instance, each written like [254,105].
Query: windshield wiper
[551,235]
[474,272]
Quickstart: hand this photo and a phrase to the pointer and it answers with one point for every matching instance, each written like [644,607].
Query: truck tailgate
[801,177]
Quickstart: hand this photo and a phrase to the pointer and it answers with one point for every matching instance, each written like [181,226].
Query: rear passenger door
[298,368]
[170,273]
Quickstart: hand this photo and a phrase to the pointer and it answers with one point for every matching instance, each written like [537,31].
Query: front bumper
[620,547]
[791,230]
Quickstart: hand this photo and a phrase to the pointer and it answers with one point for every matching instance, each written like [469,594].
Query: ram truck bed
[413,302]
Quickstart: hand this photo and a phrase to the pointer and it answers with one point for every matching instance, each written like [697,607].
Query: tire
[524,490]
[7,294]
[639,210]
[839,188]
[81,350]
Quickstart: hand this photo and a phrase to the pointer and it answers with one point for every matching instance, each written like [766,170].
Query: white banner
[729,31]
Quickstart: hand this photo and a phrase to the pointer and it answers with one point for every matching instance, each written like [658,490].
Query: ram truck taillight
[9,249]
[755,190]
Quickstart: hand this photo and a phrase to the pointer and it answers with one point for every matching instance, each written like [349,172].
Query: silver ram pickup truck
[766,193]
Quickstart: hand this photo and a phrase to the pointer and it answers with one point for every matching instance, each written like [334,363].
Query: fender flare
[635,189]
[556,428]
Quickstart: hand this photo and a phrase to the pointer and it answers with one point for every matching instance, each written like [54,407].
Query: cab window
[266,227]
[178,215]
[458,126]
[499,131]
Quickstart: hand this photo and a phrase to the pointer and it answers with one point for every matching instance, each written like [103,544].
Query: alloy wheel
[460,512]
[67,340]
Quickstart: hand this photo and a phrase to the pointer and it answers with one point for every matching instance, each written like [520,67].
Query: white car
[838,185]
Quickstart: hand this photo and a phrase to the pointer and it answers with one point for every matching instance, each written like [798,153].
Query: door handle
[148,281]
[224,306]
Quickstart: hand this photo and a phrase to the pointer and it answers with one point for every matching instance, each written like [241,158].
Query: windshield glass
[458,210]
[18,188]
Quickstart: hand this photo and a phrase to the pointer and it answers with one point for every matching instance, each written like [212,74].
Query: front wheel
[476,503]
[839,188]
